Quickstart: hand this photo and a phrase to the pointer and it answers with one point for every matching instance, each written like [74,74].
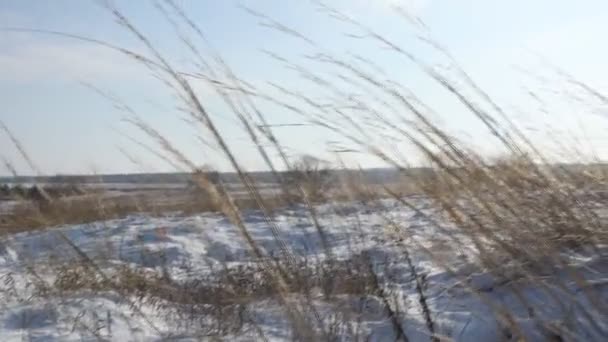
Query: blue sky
[68,128]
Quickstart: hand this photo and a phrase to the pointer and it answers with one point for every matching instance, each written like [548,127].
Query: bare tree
[312,175]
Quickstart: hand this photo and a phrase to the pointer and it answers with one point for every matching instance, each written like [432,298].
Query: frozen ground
[460,301]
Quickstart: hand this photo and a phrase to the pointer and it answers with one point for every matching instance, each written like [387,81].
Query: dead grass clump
[217,302]
[27,216]
[516,210]
[223,286]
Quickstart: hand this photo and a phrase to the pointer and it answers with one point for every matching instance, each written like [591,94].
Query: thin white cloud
[32,57]
[33,60]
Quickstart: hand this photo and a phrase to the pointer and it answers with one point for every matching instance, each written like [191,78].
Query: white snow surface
[461,300]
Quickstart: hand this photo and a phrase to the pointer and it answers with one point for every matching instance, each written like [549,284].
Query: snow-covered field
[463,300]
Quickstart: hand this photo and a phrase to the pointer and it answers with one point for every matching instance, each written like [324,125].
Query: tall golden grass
[522,215]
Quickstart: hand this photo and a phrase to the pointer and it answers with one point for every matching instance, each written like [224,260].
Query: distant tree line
[38,192]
